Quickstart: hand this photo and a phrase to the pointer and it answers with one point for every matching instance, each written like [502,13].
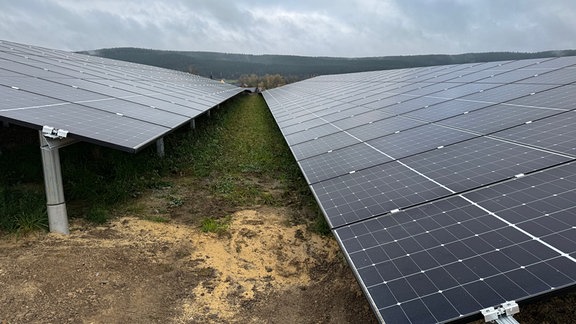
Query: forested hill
[232,66]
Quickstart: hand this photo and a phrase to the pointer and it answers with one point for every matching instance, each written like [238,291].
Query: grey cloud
[318,28]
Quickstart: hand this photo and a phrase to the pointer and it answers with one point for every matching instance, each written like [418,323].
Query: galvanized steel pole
[56,205]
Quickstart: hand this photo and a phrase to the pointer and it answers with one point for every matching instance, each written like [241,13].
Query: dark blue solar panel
[507,92]
[470,199]
[374,191]
[563,97]
[446,110]
[310,134]
[455,257]
[87,123]
[322,145]
[497,117]
[341,161]
[143,113]
[556,133]
[479,162]
[463,90]
[382,127]
[412,104]
[418,140]
[362,119]
[513,76]
[344,114]
[558,77]
[119,104]
[11,98]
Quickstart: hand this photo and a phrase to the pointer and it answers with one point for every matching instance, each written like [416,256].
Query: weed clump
[218,226]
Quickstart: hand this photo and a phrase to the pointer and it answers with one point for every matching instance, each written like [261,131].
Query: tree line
[270,69]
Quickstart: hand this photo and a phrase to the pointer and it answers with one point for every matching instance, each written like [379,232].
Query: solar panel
[372,192]
[494,118]
[341,161]
[556,133]
[118,104]
[322,145]
[382,127]
[418,140]
[455,192]
[480,161]
[446,109]
[463,254]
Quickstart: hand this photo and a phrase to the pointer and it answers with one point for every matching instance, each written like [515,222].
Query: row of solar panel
[120,104]
[451,188]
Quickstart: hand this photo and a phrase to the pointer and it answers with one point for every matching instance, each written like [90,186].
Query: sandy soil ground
[260,270]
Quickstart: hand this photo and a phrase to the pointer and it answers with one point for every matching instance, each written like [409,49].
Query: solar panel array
[450,188]
[108,102]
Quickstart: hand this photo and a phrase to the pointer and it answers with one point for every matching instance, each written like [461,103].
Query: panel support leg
[209,113]
[193,124]
[160,147]
[56,205]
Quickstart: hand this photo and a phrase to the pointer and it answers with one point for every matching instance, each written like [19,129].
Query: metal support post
[56,205]
[160,147]
[193,124]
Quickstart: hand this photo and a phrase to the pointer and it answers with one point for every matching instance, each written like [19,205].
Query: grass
[238,152]
[218,226]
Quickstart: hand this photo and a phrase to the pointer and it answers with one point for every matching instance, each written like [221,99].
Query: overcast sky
[348,28]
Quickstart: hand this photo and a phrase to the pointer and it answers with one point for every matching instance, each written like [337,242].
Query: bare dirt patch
[262,269]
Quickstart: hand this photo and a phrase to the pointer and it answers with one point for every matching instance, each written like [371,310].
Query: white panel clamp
[55,133]
[501,314]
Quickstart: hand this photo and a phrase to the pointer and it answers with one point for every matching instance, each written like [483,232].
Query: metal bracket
[503,314]
[55,133]
[55,138]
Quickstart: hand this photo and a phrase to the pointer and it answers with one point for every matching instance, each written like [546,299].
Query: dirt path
[132,270]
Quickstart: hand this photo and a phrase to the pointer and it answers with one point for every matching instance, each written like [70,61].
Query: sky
[341,28]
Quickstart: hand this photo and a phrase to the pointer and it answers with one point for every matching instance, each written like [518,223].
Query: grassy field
[237,155]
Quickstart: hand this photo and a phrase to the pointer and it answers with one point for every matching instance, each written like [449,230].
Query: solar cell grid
[343,114]
[479,162]
[16,99]
[341,161]
[322,145]
[463,90]
[557,62]
[514,76]
[92,123]
[475,76]
[382,127]
[418,140]
[451,248]
[385,102]
[310,134]
[373,191]
[362,119]
[446,109]
[100,100]
[412,104]
[477,209]
[51,89]
[556,133]
[563,97]
[558,77]
[429,88]
[509,92]
[132,110]
[497,117]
